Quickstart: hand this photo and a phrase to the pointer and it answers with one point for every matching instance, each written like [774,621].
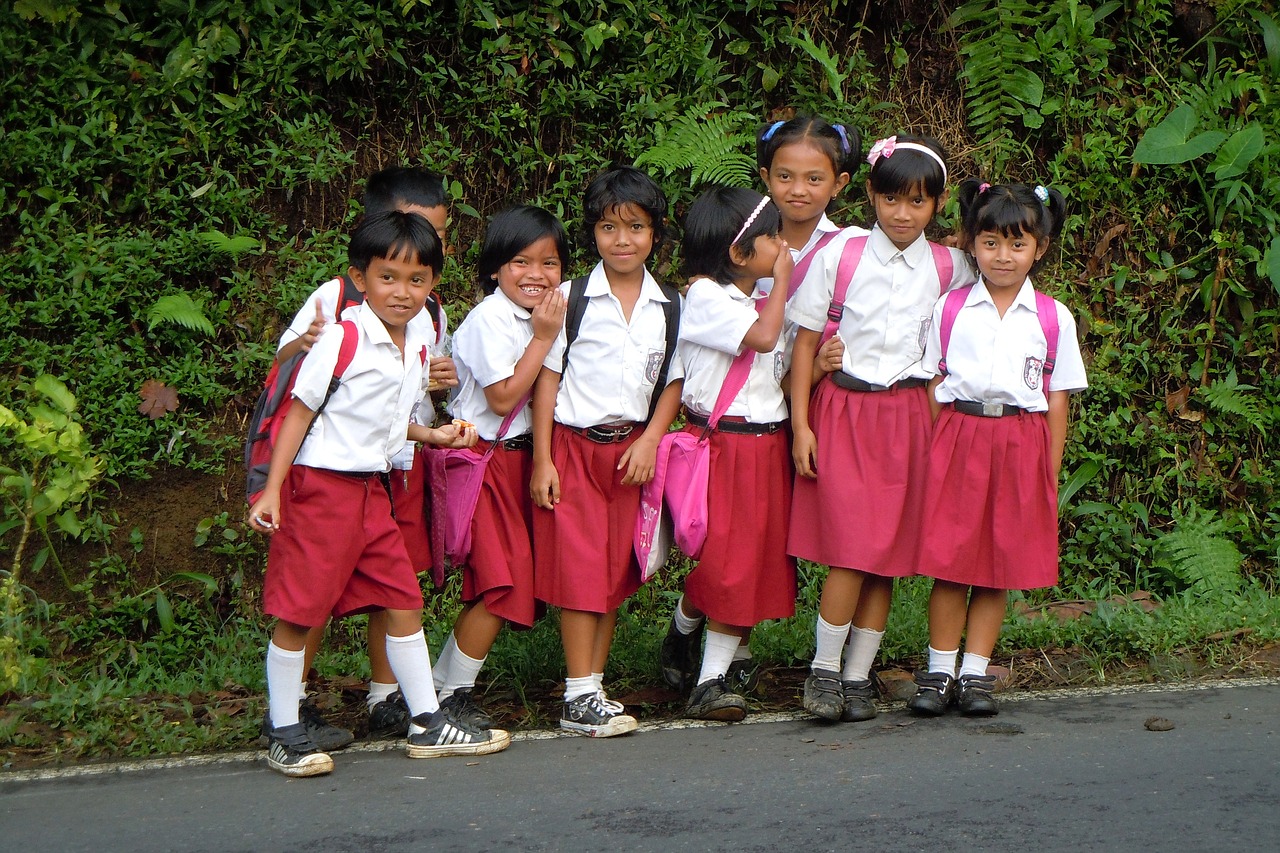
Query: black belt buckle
[608,435]
[985,410]
[520,442]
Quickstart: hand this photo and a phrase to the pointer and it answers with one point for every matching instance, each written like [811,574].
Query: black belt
[853,383]
[520,442]
[987,410]
[605,433]
[737,426]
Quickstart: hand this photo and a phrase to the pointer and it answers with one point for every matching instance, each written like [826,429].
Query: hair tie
[844,139]
[885,148]
[773,128]
[983,187]
[1042,194]
[750,219]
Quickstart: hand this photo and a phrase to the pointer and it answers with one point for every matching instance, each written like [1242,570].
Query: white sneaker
[594,715]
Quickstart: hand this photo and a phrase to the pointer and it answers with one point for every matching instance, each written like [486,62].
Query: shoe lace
[608,704]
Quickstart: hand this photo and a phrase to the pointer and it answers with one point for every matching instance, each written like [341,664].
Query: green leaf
[181,309]
[769,78]
[68,523]
[52,388]
[196,577]
[1270,38]
[1238,152]
[164,612]
[238,245]
[1025,85]
[1077,480]
[1272,263]
[1171,142]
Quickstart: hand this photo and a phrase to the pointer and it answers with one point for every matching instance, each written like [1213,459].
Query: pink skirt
[864,509]
[745,574]
[500,568]
[992,504]
[408,496]
[582,550]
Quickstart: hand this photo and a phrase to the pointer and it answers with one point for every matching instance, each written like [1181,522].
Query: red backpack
[1046,312]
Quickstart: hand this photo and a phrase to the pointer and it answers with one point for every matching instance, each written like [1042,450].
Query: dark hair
[397,185]
[619,186]
[711,223]
[1011,209]
[510,233]
[392,234]
[841,144]
[906,169]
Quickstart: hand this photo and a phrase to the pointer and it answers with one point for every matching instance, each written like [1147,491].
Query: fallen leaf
[158,399]
[1158,724]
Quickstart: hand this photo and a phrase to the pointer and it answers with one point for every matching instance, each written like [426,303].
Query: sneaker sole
[617,726]
[498,741]
[929,710]
[728,714]
[861,715]
[317,765]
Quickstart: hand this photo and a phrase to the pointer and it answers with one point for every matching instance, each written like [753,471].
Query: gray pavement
[1075,771]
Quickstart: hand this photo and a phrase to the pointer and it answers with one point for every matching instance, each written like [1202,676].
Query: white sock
[575,687]
[686,624]
[302,690]
[743,652]
[597,678]
[972,664]
[284,671]
[943,661]
[830,642]
[411,663]
[379,691]
[717,655]
[463,670]
[861,653]
[441,669]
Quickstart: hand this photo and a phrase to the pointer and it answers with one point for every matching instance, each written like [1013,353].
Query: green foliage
[1199,555]
[715,147]
[181,309]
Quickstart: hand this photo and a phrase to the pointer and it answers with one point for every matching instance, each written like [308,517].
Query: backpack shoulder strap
[1047,312]
[950,308]
[349,295]
[945,266]
[573,316]
[437,312]
[671,313]
[802,267]
[850,257]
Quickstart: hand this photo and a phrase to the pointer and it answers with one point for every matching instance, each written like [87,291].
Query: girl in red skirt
[599,411]
[1000,401]
[499,350]
[861,442]
[744,575]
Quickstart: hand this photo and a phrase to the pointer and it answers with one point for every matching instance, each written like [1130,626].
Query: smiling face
[395,289]
[624,239]
[802,181]
[904,216]
[533,270]
[1005,259]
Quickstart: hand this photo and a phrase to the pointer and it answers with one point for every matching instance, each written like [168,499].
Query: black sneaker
[463,707]
[445,735]
[594,715]
[859,701]
[680,656]
[824,694]
[973,695]
[325,736]
[712,700]
[390,717]
[743,676]
[291,751]
[934,692]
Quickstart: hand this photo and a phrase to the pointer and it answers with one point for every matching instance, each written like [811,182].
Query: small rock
[1158,724]
[807,740]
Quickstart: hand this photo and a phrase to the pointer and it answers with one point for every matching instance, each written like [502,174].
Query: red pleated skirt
[500,568]
[864,509]
[992,505]
[583,552]
[408,496]
[745,574]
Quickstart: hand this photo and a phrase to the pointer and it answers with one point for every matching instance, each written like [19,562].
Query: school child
[412,190]
[599,411]
[499,349]
[861,443]
[335,547]
[999,393]
[744,575]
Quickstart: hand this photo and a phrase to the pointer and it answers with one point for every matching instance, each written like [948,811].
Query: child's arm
[804,445]
[264,515]
[442,373]
[548,318]
[1057,430]
[829,359]
[935,408]
[544,486]
[640,458]
[304,342]
[763,334]
[450,435]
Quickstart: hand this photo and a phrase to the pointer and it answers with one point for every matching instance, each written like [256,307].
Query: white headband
[750,219]
[886,147]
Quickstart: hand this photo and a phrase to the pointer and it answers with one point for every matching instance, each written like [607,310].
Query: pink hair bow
[882,148]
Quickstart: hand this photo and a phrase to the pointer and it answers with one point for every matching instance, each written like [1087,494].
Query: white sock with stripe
[411,663]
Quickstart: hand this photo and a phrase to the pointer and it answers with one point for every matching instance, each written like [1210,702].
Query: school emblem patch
[779,367]
[653,365]
[1032,371]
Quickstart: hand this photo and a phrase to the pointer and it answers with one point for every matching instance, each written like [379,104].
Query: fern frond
[711,145]
[1200,556]
[1230,397]
[181,309]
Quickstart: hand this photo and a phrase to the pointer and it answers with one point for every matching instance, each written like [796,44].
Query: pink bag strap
[1046,313]
[802,267]
[950,308]
[506,422]
[943,263]
[850,257]
[733,380]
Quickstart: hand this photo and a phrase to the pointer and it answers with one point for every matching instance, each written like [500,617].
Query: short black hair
[1012,210]
[907,169]
[397,185]
[511,232]
[393,234]
[711,224]
[841,143]
[620,186]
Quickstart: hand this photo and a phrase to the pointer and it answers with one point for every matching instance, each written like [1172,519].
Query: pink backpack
[1046,312]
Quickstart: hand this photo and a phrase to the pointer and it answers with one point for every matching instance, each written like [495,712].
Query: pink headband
[750,219]
[885,148]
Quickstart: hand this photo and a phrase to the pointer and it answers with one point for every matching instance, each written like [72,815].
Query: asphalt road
[1062,772]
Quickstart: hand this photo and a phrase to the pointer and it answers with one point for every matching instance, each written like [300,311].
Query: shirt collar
[1026,297]
[503,299]
[913,255]
[598,285]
